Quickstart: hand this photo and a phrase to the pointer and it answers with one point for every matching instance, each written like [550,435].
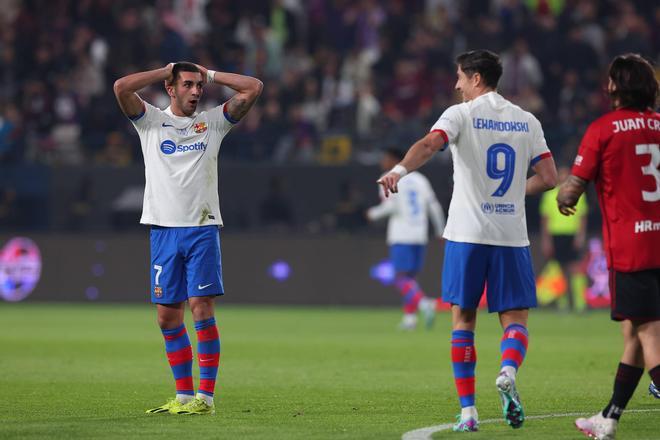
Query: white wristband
[400,170]
[210,76]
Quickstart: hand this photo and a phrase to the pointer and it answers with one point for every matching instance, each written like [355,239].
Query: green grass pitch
[90,370]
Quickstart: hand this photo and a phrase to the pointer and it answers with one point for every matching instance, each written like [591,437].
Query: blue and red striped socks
[464,361]
[411,293]
[513,348]
[179,355]
[208,355]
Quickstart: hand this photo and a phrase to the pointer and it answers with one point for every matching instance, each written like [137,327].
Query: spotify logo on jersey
[168,147]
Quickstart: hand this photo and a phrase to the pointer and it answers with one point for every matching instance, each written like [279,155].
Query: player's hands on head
[389,182]
[168,68]
[204,71]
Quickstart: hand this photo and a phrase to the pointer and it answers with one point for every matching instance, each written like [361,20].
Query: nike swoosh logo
[200,287]
[167,125]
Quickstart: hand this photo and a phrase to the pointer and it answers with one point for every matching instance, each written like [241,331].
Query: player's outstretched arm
[545,177]
[418,155]
[125,88]
[569,194]
[248,90]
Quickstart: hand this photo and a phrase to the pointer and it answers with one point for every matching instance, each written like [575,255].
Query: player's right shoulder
[150,114]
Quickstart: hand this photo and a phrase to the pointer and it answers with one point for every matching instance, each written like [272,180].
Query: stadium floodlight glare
[383,272]
[280,270]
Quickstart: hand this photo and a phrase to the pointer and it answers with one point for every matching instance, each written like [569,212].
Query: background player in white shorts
[408,214]
[181,203]
[493,144]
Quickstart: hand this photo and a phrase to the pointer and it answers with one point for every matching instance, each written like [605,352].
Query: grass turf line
[90,370]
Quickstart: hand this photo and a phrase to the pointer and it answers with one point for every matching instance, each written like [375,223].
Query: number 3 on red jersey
[652,169]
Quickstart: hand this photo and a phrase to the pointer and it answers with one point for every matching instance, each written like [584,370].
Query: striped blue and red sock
[411,293]
[464,361]
[208,355]
[179,355]
[513,348]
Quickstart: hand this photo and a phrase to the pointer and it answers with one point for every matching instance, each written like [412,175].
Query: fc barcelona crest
[200,127]
[158,292]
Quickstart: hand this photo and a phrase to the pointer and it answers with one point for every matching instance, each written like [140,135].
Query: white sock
[205,398]
[426,303]
[184,398]
[410,318]
[509,371]
[469,412]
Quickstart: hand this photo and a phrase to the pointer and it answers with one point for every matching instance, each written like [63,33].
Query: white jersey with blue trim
[409,211]
[493,143]
[181,166]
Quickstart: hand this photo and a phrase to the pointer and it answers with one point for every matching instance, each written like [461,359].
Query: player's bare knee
[201,308]
[168,321]
[169,315]
[463,319]
[649,332]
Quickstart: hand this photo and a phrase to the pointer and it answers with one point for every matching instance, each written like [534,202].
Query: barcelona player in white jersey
[180,148]
[493,144]
[408,214]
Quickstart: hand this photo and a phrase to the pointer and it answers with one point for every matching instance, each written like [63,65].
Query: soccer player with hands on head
[493,144]
[181,204]
[620,152]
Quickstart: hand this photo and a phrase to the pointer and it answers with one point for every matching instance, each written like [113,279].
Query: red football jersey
[621,152]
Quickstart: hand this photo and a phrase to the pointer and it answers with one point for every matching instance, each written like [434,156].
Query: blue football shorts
[408,258]
[185,262]
[505,271]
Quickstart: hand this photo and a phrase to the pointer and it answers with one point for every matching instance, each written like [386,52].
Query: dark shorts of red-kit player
[635,295]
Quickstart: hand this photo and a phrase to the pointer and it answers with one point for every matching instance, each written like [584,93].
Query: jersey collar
[168,110]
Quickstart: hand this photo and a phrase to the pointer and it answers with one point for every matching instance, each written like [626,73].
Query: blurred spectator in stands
[300,144]
[271,130]
[572,101]
[521,70]
[629,31]
[349,210]
[586,16]
[529,98]
[276,209]
[581,57]
[407,92]
[328,63]
[366,113]
[370,17]
[9,212]
[38,116]
[312,109]
[655,30]
[81,205]
[117,151]
[11,145]
[66,129]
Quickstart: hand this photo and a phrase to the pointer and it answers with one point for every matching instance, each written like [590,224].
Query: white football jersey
[181,166]
[409,211]
[493,143]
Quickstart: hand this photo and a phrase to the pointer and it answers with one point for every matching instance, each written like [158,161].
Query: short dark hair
[484,62]
[395,153]
[182,66]
[634,81]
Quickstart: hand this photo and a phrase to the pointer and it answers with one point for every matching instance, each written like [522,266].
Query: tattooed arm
[248,90]
[569,194]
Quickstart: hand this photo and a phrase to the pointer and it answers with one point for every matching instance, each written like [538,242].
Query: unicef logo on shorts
[168,147]
[487,208]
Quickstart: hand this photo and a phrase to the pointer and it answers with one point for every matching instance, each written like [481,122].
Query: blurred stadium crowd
[343,79]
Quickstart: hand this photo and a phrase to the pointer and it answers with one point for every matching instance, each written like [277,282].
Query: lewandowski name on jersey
[490,124]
